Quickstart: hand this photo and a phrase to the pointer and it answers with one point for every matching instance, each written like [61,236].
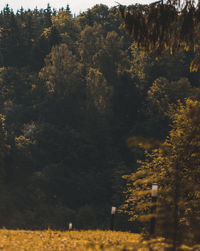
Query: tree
[111,58]
[62,71]
[47,16]
[68,28]
[11,40]
[98,14]
[99,100]
[160,96]
[90,43]
[162,93]
[75,92]
[160,26]
[175,166]
[99,92]
[146,69]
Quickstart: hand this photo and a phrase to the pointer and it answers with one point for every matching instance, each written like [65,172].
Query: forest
[80,107]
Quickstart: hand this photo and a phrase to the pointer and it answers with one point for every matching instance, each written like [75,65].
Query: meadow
[49,240]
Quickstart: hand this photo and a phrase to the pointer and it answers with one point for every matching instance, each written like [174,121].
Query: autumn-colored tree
[175,166]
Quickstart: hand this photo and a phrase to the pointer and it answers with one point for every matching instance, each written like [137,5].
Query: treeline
[73,90]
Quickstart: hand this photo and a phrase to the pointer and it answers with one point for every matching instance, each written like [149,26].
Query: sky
[76,6]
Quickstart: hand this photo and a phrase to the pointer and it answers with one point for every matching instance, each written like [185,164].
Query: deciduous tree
[175,166]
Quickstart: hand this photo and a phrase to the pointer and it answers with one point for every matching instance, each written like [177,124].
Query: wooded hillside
[73,90]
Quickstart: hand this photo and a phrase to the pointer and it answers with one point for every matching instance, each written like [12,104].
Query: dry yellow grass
[49,240]
[14,240]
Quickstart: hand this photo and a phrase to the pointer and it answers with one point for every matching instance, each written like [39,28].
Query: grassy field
[49,240]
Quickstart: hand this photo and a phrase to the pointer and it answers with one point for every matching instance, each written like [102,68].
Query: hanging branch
[160,26]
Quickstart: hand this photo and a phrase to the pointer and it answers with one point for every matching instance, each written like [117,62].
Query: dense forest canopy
[172,164]
[73,90]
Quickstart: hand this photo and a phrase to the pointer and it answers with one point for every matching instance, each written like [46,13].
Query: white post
[154,192]
[113,210]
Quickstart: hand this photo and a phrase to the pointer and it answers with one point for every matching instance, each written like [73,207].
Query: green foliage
[163,93]
[99,93]
[89,47]
[62,71]
[72,91]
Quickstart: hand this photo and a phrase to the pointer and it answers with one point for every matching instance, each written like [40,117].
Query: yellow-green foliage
[77,241]
[175,166]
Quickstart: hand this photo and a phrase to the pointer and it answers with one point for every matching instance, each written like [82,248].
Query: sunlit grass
[49,240]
